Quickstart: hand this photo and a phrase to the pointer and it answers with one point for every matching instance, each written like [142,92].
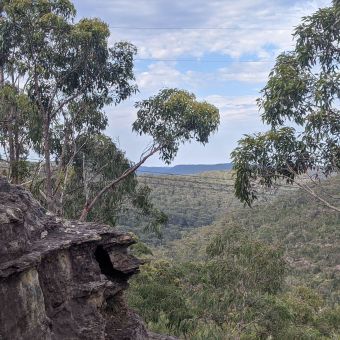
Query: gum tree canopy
[66,69]
[301,104]
[65,73]
[170,118]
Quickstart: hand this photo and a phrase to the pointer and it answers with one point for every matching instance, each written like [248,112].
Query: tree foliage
[252,275]
[174,117]
[237,292]
[170,118]
[67,70]
[188,201]
[98,162]
[68,74]
[301,105]
[15,111]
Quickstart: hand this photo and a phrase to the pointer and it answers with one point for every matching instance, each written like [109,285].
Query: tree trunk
[89,205]
[48,173]
[11,145]
[14,138]
[62,172]
[2,77]
[16,153]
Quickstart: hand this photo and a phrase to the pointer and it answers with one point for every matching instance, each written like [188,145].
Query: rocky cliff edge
[62,280]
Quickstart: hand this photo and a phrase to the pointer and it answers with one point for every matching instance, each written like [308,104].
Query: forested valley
[269,271]
[89,237]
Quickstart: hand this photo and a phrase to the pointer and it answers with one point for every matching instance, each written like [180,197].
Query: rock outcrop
[62,280]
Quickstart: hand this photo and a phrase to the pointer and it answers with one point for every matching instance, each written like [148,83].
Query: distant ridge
[188,169]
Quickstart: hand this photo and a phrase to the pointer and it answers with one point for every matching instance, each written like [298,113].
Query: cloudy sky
[221,50]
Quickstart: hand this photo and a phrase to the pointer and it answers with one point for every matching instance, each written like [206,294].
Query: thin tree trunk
[66,174]
[86,184]
[2,77]
[306,188]
[62,168]
[11,144]
[2,61]
[17,154]
[67,134]
[89,205]
[48,173]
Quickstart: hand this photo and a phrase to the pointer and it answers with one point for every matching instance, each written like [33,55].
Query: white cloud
[256,72]
[260,30]
[159,75]
[255,25]
[234,108]
[163,75]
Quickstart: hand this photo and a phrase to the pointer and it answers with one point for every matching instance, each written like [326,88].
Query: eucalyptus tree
[301,104]
[70,75]
[15,111]
[15,105]
[98,162]
[69,69]
[3,49]
[171,118]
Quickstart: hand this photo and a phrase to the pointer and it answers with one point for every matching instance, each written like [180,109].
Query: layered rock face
[62,280]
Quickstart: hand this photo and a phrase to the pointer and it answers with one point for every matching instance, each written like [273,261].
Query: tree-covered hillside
[267,271]
[189,201]
[309,233]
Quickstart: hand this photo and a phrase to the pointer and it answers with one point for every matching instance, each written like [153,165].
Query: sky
[221,50]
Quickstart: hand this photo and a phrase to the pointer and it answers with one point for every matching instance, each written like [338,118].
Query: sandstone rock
[62,280]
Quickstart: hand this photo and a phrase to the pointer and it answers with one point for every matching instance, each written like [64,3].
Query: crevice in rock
[106,266]
[49,279]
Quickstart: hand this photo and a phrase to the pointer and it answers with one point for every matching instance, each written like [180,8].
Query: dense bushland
[267,271]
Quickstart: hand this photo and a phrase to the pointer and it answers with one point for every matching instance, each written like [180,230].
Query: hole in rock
[106,266]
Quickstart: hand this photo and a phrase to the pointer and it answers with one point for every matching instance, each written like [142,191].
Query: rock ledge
[62,280]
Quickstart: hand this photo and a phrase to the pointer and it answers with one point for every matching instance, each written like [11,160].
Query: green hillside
[189,201]
[268,272]
[309,233]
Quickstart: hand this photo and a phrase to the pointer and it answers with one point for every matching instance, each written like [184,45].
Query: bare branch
[88,207]
[309,190]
